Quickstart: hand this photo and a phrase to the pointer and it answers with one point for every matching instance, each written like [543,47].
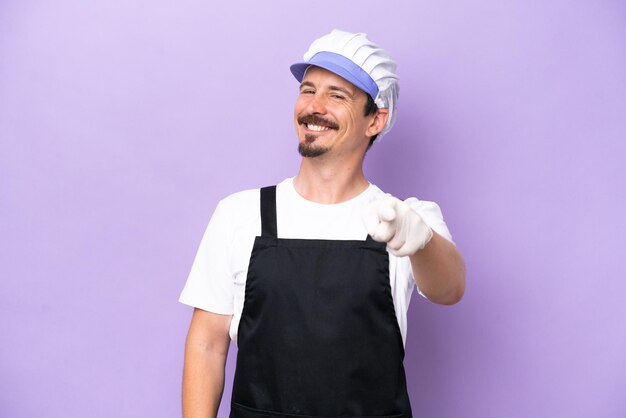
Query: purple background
[122,123]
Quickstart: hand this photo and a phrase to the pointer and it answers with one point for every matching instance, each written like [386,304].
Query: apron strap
[268,212]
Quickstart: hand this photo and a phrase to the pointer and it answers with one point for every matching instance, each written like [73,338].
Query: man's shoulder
[240,199]
[243,205]
[238,211]
[247,197]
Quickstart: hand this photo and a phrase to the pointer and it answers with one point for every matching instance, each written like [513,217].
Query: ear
[378,122]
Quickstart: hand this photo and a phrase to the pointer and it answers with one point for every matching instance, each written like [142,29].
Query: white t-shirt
[217,280]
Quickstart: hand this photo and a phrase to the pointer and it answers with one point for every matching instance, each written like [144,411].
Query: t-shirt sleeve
[209,285]
[431,215]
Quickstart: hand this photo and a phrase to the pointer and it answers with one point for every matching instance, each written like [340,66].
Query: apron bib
[318,335]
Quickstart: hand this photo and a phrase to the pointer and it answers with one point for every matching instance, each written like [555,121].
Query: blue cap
[341,66]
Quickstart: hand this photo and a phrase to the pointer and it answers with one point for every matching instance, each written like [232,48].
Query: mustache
[317,120]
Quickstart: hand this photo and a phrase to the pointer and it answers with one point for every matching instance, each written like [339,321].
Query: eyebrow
[333,88]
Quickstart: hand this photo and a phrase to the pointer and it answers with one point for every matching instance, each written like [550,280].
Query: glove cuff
[427,240]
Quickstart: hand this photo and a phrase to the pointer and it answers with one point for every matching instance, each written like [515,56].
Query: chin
[308,150]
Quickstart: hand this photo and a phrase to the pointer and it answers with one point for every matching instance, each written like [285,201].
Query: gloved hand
[391,220]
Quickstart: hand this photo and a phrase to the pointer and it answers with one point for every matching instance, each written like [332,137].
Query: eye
[338,97]
[307,91]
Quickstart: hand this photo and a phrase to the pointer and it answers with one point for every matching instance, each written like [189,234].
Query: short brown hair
[370,109]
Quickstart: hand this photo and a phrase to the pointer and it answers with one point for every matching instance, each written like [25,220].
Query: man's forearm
[203,380]
[206,350]
[439,271]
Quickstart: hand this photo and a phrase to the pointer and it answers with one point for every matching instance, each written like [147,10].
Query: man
[312,277]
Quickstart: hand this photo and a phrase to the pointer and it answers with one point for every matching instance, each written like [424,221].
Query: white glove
[391,220]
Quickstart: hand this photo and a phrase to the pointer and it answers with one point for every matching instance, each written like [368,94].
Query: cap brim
[348,71]
[299,69]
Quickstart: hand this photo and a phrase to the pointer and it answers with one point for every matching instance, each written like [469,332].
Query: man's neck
[329,184]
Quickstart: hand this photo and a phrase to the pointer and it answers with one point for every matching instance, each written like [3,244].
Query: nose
[317,104]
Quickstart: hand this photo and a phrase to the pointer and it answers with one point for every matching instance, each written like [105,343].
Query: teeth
[317,128]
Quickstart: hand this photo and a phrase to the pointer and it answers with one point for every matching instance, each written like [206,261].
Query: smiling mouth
[315,123]
[317,128]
